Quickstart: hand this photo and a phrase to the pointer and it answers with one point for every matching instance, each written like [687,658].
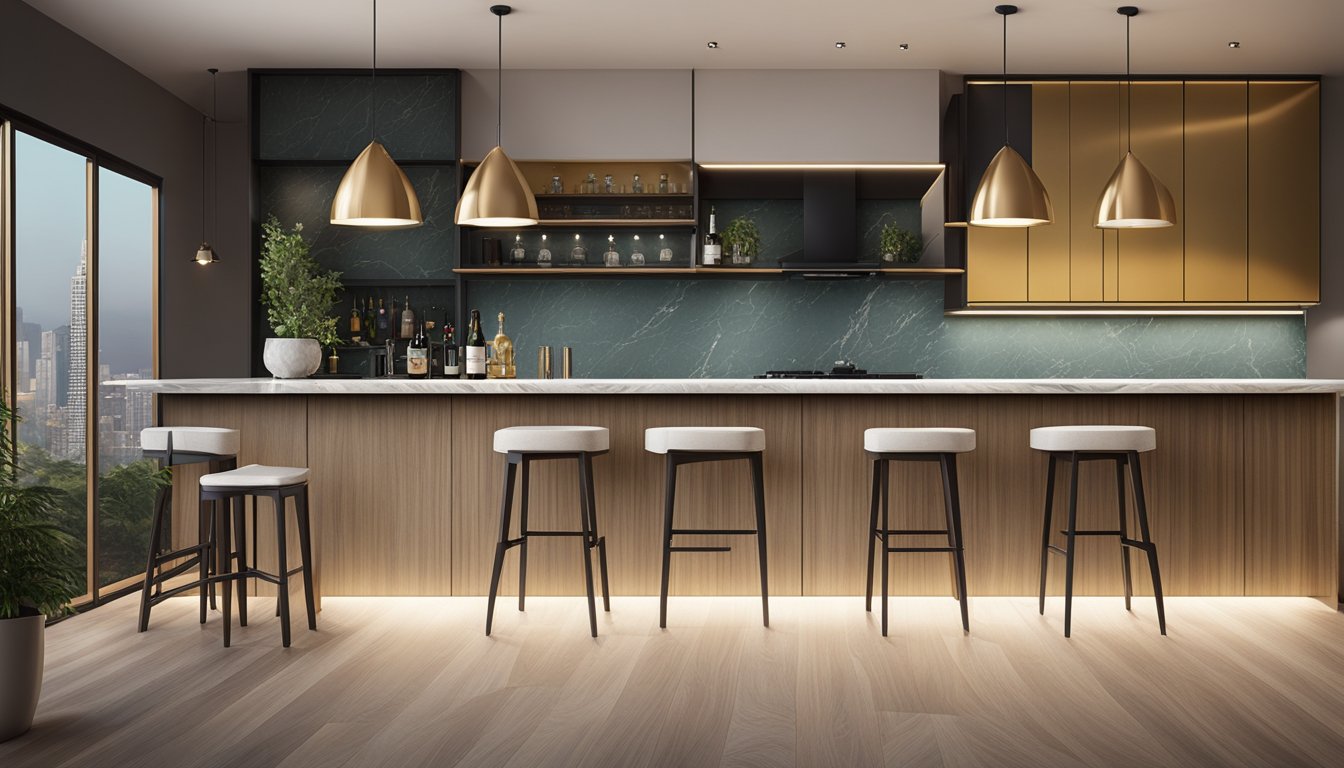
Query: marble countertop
[262,386]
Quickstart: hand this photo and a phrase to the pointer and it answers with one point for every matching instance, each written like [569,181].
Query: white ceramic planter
[292,358]
[21,653]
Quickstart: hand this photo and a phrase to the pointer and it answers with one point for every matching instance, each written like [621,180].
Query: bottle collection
[608,185]
[547,251]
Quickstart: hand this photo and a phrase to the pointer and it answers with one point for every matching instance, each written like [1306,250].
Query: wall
[53,76]
[1325,323]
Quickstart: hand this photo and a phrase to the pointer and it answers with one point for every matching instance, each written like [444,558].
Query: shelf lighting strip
[823,166]
[1112,312]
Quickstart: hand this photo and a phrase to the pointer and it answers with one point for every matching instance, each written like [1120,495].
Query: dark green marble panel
[873,215]
[731,328]
[780,222]
[326,116]
[428,252]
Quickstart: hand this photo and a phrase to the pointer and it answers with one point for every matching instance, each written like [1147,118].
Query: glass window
[126,224]
[51,331]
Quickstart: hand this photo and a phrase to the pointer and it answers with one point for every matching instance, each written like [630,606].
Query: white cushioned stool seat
[256,476]
[919,440]
[552,439]
[724,439]
[215,441]
[1098,438]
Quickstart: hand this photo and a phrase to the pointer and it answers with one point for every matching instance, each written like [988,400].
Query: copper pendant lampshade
[375,193]
[1010,193]
[497,194]
[205,255]
[1134,198]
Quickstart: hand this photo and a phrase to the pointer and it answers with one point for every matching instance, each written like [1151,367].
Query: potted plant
[900,245]
[741,241]
[39,576]
[298,296]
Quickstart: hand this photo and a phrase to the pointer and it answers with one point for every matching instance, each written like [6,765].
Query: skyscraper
[76,386]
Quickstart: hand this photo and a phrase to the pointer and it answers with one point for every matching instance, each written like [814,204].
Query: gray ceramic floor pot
[21,655]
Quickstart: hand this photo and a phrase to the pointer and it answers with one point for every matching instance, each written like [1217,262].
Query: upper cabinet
[817,116]
[1241,159]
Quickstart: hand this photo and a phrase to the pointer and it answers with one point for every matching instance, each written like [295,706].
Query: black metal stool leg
[282,573]
[235,506]
[1045,527]
[203,519]
[223,568]
[1141,510]
[669,498]
[1124,534]
[1071,536]
[871,539]
[585,545]
[306,553]
[952,500]
[505,509]
[758,486]
[601,541]
[522,533]
[155,540]
[885,480]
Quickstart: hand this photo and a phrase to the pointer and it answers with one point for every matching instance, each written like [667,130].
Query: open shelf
[921,271]
[613,195]
[617,223]
[532,271]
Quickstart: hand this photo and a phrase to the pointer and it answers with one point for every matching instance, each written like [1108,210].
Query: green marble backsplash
[722,328]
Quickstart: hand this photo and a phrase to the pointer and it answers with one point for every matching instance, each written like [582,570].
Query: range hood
[830,238]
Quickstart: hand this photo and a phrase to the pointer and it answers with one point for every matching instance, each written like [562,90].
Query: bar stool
[1077,444]
[521,446]
[276,484]
[692,445]
[172,447]
[932,444]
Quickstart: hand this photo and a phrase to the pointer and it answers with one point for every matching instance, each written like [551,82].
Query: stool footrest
[711,532]
[1136,544]
[195,549]
[549,533]
[1058,550]
[922,549]
[699,549]
[878,533]
[1091,533]
[178,569]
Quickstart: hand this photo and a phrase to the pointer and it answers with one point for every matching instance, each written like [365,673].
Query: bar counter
[1242,489]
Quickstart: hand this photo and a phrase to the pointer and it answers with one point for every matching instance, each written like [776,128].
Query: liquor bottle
[393,325]
[417,356]
[371,322]
[518,254]
[637,256]
[612,258]
[544,255]
[609,184]
[475,347]
[382,308]
[557,186]
[502,364]
[664,253]
[407,320]
[452,369]
[579,254]
[662,183]
[355,332]
[637,186]
[713,248]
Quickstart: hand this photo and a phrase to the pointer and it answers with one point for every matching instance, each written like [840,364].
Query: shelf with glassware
[377,319]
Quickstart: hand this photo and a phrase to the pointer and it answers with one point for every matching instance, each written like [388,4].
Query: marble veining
[738,386]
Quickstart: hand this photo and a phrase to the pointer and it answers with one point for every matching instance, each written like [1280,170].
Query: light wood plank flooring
[413,681]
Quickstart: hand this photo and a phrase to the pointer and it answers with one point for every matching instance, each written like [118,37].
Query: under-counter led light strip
[823,166]
[1128,312]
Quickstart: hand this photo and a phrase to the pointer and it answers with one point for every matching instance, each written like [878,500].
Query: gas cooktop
[836,374]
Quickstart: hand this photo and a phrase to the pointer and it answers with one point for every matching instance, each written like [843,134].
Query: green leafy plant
[297,293]
[741,237]
[901,245]
[39,562]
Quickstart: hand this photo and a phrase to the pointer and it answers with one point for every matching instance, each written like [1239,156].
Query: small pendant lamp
[1133,198]
[206,254]
[375,193]
[1010,193]
[497,194]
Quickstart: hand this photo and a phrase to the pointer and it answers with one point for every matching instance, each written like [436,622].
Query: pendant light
[1133,198]
[1010,193]
[497,194]
[375,193]
[205,254]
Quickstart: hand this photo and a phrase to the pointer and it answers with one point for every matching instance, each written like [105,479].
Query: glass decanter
[664,253]
[612,258]
[544,255]
[578,254]
[637,256]
[519,254]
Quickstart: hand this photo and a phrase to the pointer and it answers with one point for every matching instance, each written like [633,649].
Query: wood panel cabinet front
[1215,191]
[1284,182]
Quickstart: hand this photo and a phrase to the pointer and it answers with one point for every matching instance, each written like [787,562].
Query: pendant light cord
[214,150]
[499,83]
[205,121]
[1129,93]
[373,80]
[1006,142]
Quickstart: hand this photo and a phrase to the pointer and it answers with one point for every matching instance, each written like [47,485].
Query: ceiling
[174,41]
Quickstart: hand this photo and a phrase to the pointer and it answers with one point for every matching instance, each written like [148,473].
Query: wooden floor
[413,681]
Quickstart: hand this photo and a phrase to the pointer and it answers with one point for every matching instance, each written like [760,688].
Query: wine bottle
[502,366]
[393,325]
[354,321]
[382,310]
[371,322]
[451,368]
[475,347]
[713,248]
[417,355]
[407,320]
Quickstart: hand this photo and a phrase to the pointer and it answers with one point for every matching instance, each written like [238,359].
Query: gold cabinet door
[1094,151]
[1215,191]
[1284,212]
[1048,244]
[996,265]
[1151,262]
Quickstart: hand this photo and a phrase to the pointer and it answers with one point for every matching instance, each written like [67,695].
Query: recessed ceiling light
[904,46]
[712,44]
[1234,44]
[839,44]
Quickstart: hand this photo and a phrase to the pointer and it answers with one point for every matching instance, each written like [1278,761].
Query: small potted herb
[741,241]
[298,296]
[900,245]
[39,575]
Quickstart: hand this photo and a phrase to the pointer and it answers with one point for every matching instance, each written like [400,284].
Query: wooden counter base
[405,490]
